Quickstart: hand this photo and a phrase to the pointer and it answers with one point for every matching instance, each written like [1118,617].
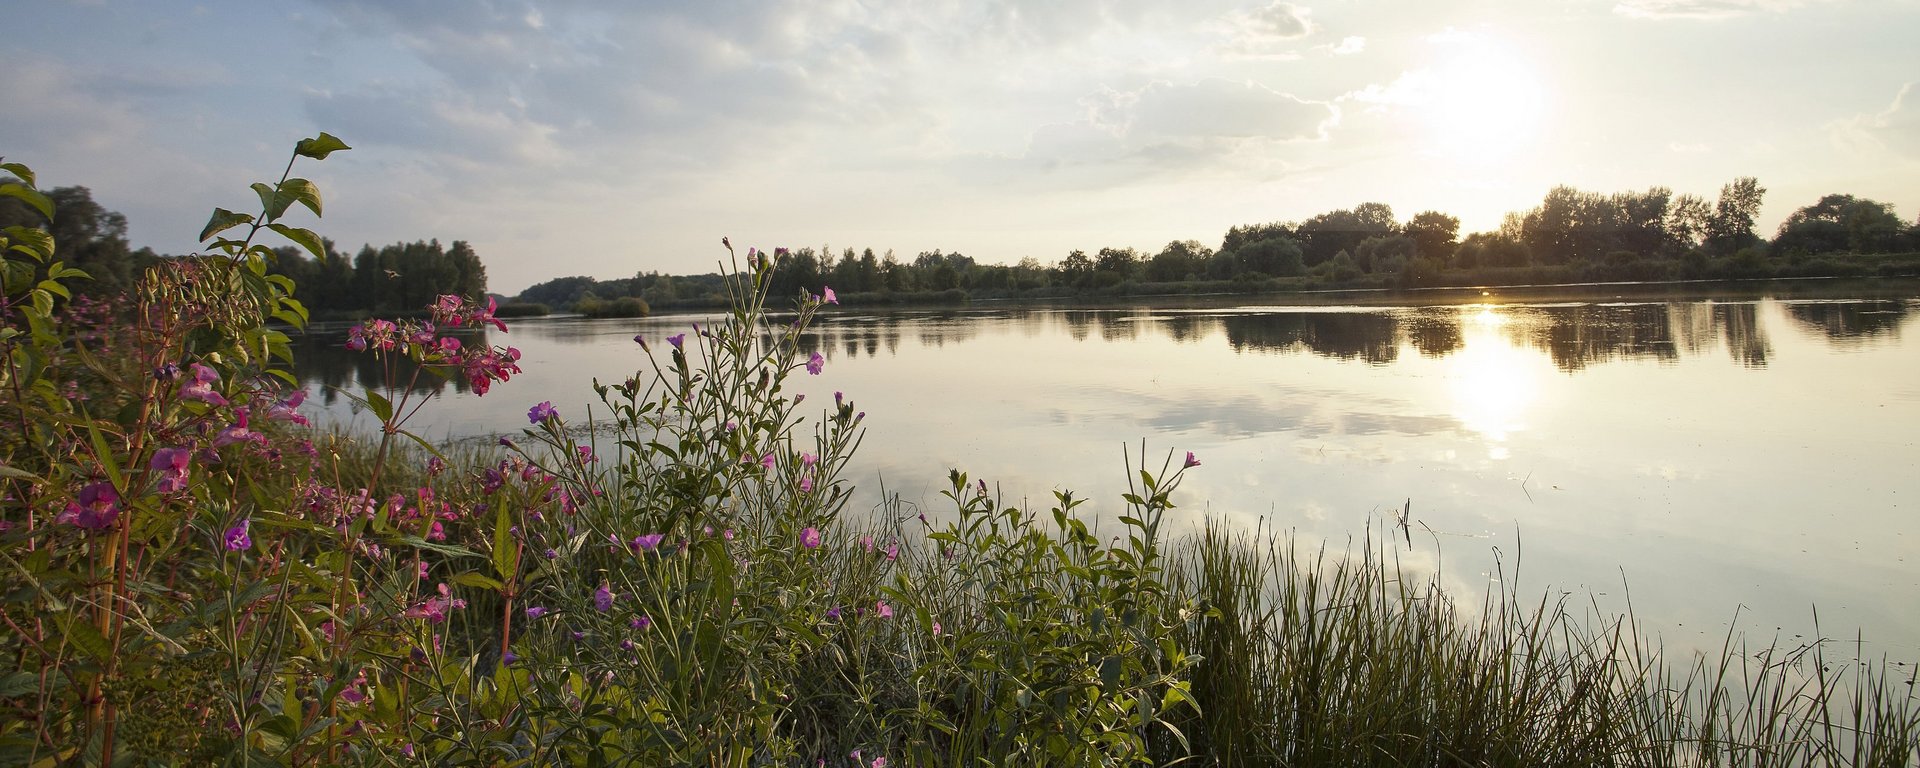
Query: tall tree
[1731,227]
[1433,234]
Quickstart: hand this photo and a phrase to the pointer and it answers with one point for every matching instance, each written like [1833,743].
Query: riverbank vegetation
[1573,236]
[674,578]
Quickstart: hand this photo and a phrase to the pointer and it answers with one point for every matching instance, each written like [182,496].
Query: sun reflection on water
[1494,381]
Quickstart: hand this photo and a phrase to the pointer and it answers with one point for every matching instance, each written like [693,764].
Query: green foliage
[670,581]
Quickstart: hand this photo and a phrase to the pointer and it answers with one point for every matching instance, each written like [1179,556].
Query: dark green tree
[1433,234]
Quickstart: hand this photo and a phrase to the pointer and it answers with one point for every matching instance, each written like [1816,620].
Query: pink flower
[285,409]
[893,551]
[200,385]
[829,296]
[485,316]
[866,543]
[767,461]
[95,509]
[808,459]
[648,542]
[810,538]
[238,432]
[603,599]
[885,611]
[1191,461]
[236,538]
[541,412]
[806,483]
[815,363]
[171,464]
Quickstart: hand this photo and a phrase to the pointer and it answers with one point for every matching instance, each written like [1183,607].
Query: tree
[1433,234]
[1076,268]
[1327,234]
[1382,255]
[1273,257]
[1842,223]
[1117,261]
[86,236]
[1180,260]
[1731,226]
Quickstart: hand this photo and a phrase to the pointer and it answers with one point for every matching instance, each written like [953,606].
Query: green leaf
[20,170]
[87,639]
[506,561]
[478,581]
[12,473]
[18,684]
[54,287]
[271,204]
[30,196]
[39,240]
[379,405]
[432,546]
[320,146]
[303,192]
[222,221]
[304,238]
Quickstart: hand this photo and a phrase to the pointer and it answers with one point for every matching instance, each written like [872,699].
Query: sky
[609,138]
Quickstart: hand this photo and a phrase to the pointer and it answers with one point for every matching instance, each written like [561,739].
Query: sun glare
[1485,102]
[1493,381]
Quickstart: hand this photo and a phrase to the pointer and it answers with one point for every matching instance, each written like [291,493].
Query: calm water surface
[1754,452]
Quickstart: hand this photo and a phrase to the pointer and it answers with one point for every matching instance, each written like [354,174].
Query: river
[1711,448]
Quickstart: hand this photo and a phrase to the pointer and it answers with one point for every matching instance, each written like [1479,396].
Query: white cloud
[1350,45]
[1282,20]
[1202,127]
[1265,33]
[1702,9]
[1895,128]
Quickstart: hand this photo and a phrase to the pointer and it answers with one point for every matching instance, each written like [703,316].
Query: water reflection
[1755,450]
[1850,321]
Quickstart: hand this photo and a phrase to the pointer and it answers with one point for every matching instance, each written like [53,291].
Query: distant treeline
[1572,236]
[398,278]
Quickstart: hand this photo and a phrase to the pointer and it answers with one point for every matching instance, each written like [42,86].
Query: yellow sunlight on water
[1493,381]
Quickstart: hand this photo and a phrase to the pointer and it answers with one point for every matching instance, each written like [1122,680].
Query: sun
[1484,101]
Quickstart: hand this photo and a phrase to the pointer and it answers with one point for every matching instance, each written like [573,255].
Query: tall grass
[1351,659]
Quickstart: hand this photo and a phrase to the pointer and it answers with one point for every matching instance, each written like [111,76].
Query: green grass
[1318,659]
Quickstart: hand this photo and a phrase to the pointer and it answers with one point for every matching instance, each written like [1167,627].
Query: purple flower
[541,412]
[237,538]
[238,432]
[829,296]
[171,464]
[603,599]
[96,508]
[1191,461]
[833,613]
[677,340]
[199,385]
[535,611]
[810,538]
[648,542]
[509,658]
[815,363]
